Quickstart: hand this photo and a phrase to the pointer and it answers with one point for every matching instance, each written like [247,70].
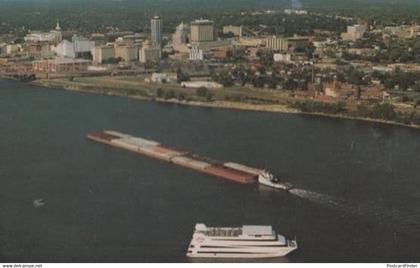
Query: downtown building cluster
[248,56]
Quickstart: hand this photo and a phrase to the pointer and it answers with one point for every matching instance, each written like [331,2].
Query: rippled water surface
[64,198]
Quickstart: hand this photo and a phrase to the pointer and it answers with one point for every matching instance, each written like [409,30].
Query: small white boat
[268,179]
[38,203]
[248,241]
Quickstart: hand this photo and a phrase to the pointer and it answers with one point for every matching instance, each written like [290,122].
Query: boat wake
[322,199]
[371,210]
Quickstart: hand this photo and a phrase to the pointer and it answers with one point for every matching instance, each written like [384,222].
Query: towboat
[268,179]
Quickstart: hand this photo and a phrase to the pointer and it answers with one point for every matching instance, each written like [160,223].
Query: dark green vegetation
[399,80]
[99,15]
[388,12]
[319,107]
[384,111]
[401,50]
[96,15]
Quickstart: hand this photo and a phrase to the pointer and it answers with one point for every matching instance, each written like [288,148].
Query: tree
[181,76]
[258,81]
[181,97]
[201,91]
[223,78]
[384,111]
[111,61]
[355,77]
[273,81]
[169,94]
[159,93]
[209,96]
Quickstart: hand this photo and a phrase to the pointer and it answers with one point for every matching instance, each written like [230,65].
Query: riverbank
[135,89]
[278,109]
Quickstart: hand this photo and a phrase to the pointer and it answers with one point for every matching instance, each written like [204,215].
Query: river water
[357,196]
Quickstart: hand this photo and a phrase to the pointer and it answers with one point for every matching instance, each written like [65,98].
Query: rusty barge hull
[236,173]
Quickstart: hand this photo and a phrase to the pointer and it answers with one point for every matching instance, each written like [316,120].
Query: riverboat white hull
[250,242]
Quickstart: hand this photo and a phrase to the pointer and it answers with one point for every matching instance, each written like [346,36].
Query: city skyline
[235,131]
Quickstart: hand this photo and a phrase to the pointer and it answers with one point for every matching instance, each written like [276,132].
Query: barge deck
[230,171]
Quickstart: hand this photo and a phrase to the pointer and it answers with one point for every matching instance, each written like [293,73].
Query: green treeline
[97,15]
[382,111]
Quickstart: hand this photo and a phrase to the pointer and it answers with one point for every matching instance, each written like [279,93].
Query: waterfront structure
[39,50]
[51,37]
[219,49]
[156,30]
[149,53]
[202,30]
[354,32]
[276,43]
[343,91]
[78,48]
[54,36]
[126,52]
[235,30]
[102,53]
[61,65]
[248,241]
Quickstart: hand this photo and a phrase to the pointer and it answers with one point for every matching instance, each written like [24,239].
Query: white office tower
[156,28]
[181,34]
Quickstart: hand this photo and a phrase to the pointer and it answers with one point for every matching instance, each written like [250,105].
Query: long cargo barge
[230,171]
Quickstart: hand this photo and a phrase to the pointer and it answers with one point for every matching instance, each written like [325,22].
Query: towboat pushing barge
[230,171]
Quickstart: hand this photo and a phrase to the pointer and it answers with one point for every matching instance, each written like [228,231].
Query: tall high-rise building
[181,34]
[202,30]
[149,52]
[156,29]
